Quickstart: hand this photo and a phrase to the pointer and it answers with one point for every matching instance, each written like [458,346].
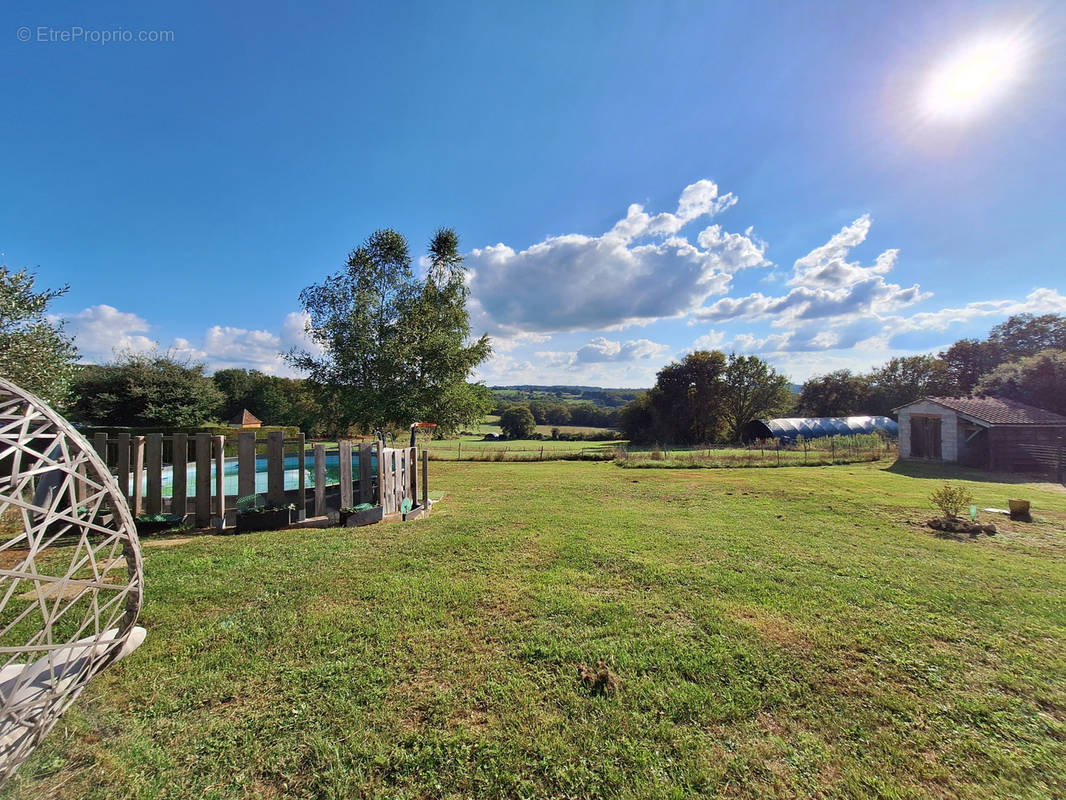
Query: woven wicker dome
[70,571]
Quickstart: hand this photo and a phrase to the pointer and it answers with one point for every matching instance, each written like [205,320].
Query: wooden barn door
[925,437]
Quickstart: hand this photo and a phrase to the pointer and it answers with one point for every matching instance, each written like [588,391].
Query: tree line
[158,390]
[1023,358]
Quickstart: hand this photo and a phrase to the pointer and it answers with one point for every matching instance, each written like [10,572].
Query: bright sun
[974,77]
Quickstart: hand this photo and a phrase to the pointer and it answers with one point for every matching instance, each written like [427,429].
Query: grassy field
[491,425]
[475,447]
[792,632]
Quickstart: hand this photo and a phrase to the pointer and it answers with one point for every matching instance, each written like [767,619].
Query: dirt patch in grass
[175,542]
[773,627]
[11,558]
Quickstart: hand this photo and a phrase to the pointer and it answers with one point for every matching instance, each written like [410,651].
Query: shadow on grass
[941,470]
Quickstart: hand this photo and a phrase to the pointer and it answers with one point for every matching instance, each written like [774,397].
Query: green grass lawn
[790,632]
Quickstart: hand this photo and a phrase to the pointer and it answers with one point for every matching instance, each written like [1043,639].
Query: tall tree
[1026,334]
[394,349]
[437,336]
[146,390]
[517,422]
[968,359]
[686,405]
[1038,380]
[904,379]
[261,394]
[753,389]
[35,353]
[835,394]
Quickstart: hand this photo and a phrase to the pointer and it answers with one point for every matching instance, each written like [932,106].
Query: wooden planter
[147,527]
[357,519]
[264,521]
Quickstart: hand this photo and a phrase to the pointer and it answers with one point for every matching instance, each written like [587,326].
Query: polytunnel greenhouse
[791,428]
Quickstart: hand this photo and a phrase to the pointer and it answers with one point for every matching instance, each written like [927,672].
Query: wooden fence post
[320,480]
[123,464]
[366,480]
[382,469]
[138,468]
[220,479]
[412,468]
[276,467]
[425,479]
[301,465]
[100,446]
[245,464]
[179,471]
[154,459]
[344,465]
[203,480]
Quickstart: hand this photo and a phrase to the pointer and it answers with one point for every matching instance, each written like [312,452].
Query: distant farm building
[246,420]
[985,432]
[789,429]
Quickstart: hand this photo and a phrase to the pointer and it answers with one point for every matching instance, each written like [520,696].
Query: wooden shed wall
[1025,448]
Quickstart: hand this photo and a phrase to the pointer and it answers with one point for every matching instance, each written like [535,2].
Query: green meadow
[786,632]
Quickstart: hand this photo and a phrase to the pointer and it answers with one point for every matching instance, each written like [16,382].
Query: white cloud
[638,271]
[712,340]
[828,286]
[505,344]
[103,331]
[602,349]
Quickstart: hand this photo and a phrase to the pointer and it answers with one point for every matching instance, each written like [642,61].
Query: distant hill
[604,397]
[596,395]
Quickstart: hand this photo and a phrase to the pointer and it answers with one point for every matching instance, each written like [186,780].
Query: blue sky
[630,180]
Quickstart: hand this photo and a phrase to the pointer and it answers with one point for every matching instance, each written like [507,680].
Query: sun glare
[974,77]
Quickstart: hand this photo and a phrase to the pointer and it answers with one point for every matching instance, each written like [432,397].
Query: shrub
[951,500]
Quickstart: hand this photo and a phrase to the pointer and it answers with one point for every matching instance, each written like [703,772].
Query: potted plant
[362,514]
[253,514]
[154,523]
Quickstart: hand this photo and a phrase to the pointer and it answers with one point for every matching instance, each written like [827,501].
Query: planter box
[146,527]
[264,521]
[415,513]
[358,519]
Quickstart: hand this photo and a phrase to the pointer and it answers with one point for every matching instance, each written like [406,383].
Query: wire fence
[597,452]
[765,453]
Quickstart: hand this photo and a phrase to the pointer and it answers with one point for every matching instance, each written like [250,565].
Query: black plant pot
[263,521]
[156,526]
[357,519]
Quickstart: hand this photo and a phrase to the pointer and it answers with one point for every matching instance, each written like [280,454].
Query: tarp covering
[789,428]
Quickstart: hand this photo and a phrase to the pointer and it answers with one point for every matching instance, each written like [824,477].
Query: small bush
[951,500]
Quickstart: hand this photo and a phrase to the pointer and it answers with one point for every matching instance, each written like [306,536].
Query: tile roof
[999,411]
[246,417]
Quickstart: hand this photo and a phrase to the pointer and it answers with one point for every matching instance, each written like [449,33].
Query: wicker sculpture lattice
[70,571]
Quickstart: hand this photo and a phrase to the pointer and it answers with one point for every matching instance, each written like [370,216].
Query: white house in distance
[985,432]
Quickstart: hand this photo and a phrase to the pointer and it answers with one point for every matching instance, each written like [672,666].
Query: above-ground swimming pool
[292,474]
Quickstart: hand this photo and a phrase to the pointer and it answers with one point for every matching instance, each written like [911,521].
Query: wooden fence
[385,476]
